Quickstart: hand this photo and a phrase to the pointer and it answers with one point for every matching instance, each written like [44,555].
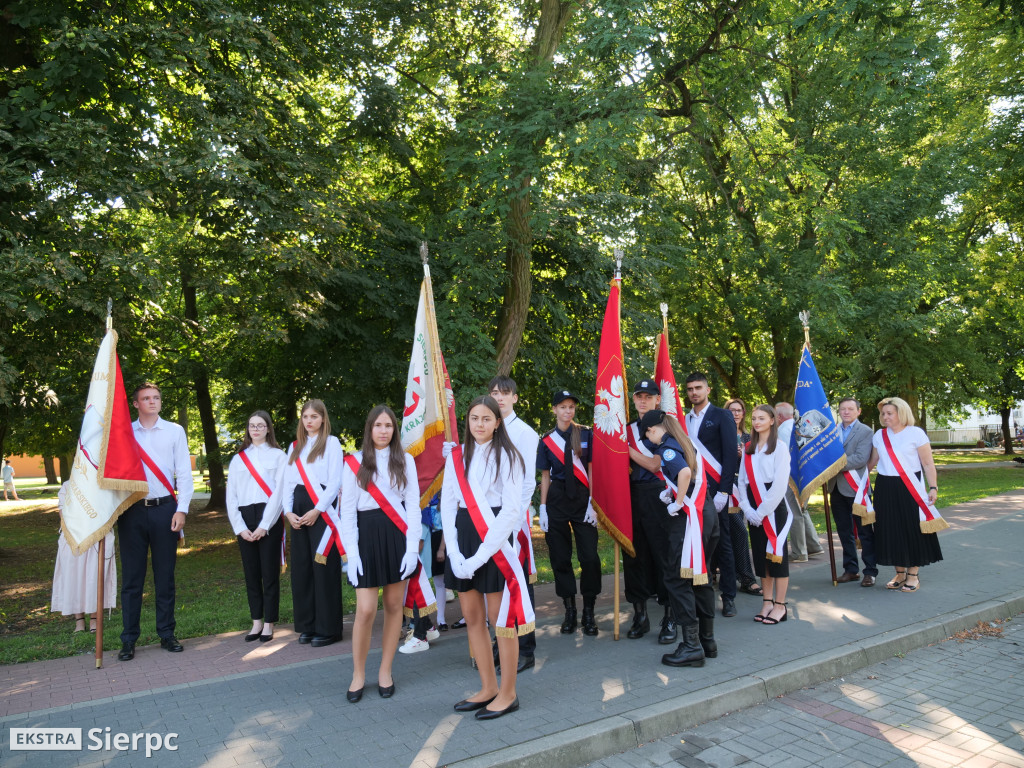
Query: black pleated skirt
[488,577]
[898,537]
[759,542]
[381,548]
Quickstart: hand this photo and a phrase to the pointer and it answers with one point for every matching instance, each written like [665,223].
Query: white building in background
[977,425]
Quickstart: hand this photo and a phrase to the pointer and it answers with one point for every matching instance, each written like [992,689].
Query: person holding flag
[252,477]
[563,458]
[155,523]
[906,520]
[381,530]
[481,509]
[309,487]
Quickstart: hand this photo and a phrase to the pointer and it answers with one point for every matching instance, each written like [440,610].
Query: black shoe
[386,691]
[127,652]
[305,638]
[355,696]
[321,640]
[706,632]
[668,633]
[471,706]
[728,607]
[589,623]
[266,638]
[493,714]
[171,644]
[525,662]
[253,637]
[569,622]
[641,623]
[689,653]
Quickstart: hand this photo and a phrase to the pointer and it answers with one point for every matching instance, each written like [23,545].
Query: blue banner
[816,444]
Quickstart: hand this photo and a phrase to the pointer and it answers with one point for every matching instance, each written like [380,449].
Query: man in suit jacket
[857,446]
[715,429]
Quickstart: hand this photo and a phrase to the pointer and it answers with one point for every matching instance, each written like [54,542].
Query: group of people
[707,497]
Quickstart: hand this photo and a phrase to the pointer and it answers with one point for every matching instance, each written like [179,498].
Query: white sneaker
[448,595]
[414,645]
[432,634]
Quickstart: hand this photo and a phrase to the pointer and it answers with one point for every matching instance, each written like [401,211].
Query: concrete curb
[619,733]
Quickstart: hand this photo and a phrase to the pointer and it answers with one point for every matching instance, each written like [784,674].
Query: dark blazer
[718,434]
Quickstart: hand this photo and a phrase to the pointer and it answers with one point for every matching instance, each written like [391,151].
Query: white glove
[543,513]
[354,569]
[409,562]
[446,448]
[470,566]
[673,509]
[721,499]
[752,517]
[666,496]
[457,561]
[591,516]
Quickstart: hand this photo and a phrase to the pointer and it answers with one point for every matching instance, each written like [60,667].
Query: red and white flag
[666,379]
[428,419]
[610,471]
[107,475]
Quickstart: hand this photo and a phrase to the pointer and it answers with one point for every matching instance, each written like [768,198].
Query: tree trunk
[1004,416]
[51,474]
[64,463]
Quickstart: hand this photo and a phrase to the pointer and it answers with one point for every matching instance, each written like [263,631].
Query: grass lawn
[970,456]
[210,587]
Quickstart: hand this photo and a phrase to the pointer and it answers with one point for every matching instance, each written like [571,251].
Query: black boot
[689,653]
[641,624]
[668,633]
[569,623]
[589,623]
[707,638]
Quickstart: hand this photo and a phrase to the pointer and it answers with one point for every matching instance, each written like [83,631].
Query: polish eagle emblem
[668,397]
[610,409]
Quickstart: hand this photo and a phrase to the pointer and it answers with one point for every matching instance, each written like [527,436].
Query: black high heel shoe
[760,617]
[768,620]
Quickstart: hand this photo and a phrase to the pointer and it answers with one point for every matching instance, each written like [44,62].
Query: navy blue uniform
[642,572]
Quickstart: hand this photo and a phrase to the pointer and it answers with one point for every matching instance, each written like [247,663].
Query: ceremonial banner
[429,402]
[610,472]
[816,445]
[666,379]
[107,475]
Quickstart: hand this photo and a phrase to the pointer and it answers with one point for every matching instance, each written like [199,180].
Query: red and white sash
[931,520]
[861,485]
[556,444]
[159,474]
[711,465]
[776,539]
[515,617]
[634,442]
[693,564]
[418,594]
[265,487]
[332,535]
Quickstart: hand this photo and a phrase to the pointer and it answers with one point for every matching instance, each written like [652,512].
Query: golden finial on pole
[664,318]
[618,263]
[805,320]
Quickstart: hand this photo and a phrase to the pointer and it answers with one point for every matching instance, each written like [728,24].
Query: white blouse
[904,444]
[324,474]
[770,468]
[504,490]
[243,489]
[355,499]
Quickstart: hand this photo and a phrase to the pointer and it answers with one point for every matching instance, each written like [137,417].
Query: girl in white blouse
[258,525]
[380,553]
[491,462]
[764,476]
[316,587]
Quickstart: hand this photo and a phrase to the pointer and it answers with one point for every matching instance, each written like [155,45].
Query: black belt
[156,502]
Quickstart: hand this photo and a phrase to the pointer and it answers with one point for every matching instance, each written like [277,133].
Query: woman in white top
[252,477]
[492,462]
[761,496]
[316,587]
[899,540]
[380,554]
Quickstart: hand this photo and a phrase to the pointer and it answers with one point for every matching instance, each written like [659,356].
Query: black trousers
[316,587]
[689,601]
[261,564]
[724,560]
[142,530]
[740,548]
[842,513]
[642,573]
[565,519]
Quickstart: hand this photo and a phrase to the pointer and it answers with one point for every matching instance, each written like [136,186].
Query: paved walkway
[283,704]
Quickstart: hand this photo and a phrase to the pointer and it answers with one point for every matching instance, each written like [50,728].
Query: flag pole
[664,321]
[618,548]
[101,559]
[805,319]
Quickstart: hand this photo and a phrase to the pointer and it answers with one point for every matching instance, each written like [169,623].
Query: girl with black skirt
[764,476]
[381,529]
[481,504]
[252,477]
[316,586]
